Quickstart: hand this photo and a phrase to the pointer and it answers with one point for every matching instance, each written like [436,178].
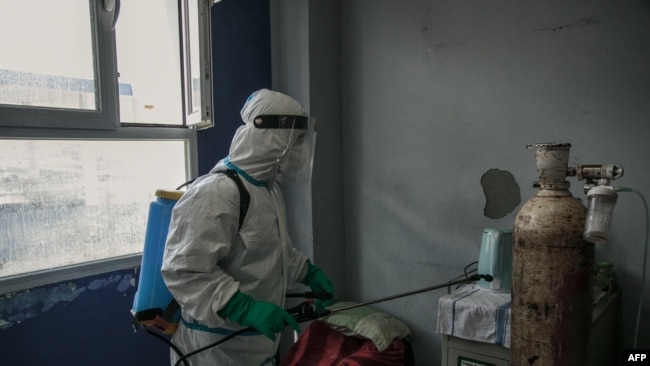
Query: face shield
[297,136]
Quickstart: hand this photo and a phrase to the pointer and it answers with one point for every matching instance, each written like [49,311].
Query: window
[62,70]
[150,47]
[57,65]
[99,103]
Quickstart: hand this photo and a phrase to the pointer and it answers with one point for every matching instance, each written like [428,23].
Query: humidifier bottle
[600,209]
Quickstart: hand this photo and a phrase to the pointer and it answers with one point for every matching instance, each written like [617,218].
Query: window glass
[50,64]
[149,63]
[64,202]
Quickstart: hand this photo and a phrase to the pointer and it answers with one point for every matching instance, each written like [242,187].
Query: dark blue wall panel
[241,60]
[80,322]
[87,321]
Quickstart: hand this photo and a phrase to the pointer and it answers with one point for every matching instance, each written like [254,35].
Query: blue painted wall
[80,322]
[87,321]
[241,61]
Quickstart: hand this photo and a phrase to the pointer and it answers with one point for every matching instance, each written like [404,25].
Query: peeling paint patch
[124,284]
[502,193]
[121,283]
[28,304]
[101,283]
[19,306]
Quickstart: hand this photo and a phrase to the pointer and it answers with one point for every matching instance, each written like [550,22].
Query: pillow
[381,328]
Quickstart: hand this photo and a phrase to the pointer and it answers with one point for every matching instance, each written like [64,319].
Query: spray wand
[306,313]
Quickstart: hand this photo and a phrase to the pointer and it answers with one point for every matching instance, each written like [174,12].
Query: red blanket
[321,345]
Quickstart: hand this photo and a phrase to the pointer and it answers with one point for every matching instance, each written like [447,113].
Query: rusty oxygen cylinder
[552,270]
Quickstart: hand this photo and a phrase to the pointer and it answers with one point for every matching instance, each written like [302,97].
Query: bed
[362,336]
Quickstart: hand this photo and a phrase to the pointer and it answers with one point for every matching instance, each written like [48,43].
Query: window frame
[106,116]
[205,57]
[25,122]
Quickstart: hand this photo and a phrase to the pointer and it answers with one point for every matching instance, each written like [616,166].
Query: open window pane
[149,63]
[51,64]
[194,62]
[65,202]
[198,64]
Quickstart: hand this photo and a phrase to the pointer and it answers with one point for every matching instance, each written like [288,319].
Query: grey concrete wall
[438,100]
[306,64]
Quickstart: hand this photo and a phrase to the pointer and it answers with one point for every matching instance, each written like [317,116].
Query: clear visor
[295,163]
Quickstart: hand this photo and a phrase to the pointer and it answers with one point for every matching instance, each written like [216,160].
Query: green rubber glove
[264,316]
[318,282]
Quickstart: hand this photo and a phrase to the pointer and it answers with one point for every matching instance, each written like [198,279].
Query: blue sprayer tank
[152,296]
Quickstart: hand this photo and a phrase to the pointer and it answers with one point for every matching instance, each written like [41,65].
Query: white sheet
[477,314]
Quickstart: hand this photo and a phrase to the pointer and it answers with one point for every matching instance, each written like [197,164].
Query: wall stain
[448,45]
[18,306]
[584,22]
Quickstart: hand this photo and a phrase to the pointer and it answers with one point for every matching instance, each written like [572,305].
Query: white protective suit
[207,259]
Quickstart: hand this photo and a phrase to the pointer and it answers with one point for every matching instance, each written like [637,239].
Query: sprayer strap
[244,196]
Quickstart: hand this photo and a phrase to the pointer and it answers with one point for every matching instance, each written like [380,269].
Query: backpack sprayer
[153,304]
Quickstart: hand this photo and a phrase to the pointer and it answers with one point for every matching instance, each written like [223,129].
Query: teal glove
[266,317]
[318,282]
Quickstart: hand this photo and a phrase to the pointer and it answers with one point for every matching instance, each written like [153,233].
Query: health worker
[228,278]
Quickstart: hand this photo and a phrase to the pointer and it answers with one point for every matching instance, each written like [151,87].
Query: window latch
[114,7]
[109,5]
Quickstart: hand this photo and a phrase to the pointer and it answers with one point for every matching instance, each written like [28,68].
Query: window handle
[114,7]
[109,5]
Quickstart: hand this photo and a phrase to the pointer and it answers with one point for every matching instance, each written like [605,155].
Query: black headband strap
[281,121]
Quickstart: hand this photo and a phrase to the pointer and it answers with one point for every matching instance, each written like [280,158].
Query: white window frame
[106,117]
[23,122]
[203,118]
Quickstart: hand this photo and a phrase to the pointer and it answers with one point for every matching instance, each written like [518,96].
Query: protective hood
[262,153]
